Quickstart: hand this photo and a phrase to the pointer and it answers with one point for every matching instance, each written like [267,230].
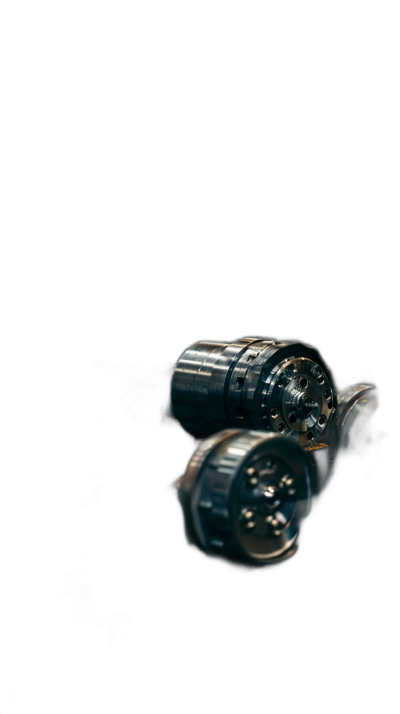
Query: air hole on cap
[292,417]
[310,435]
[327,393]
[330,404]
[281,427]
[274,412]
[322,420]
[303,382]
[320,379]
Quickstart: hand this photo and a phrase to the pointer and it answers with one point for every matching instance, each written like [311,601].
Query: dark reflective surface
[110,551]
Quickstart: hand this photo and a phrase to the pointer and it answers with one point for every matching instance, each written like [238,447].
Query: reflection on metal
[244,494]
[358,419]
[258,383]
[254,383]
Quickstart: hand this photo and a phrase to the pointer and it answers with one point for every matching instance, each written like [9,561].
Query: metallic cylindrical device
[244,494]
[358,426]
[253,383]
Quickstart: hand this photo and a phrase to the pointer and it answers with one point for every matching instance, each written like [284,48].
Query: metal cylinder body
[253,383]
[244,494]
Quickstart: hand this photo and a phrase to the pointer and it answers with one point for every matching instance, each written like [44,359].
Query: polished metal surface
[253,383]
[245,492]
[199,383]
[356,423]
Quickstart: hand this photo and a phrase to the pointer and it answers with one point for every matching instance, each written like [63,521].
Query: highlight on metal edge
[244,493]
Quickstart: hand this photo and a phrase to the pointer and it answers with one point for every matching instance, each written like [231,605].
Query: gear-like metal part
[297,399]
[244,494]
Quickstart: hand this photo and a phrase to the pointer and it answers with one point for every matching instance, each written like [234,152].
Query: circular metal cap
[298,399]
[248,492]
